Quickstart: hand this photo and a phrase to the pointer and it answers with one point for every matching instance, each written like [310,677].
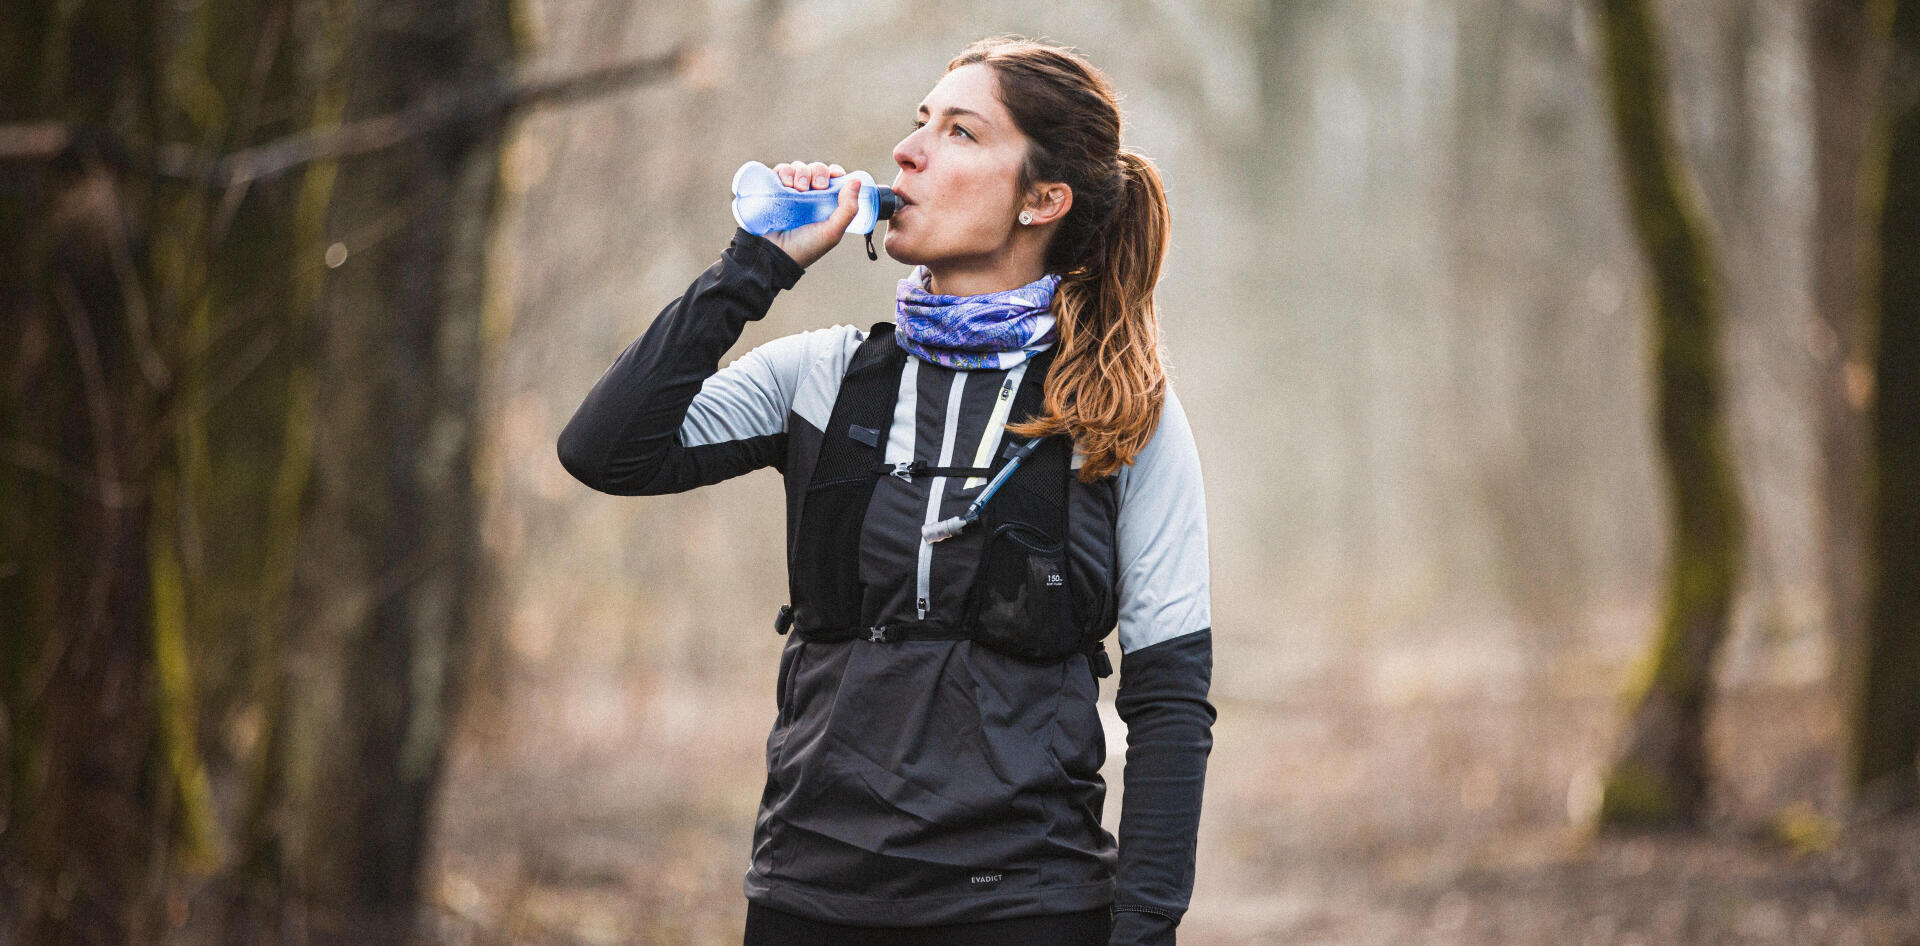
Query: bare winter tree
[243,296]
[1886,731]
[1660,778]
[1844,64]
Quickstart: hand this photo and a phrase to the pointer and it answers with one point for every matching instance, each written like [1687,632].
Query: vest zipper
[996,422]
[923,570]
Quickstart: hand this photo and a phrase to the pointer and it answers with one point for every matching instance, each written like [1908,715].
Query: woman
[933,771]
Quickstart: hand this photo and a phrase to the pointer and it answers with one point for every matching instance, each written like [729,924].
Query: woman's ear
[1049,202]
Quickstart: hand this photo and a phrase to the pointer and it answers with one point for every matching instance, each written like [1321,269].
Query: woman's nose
[907,154]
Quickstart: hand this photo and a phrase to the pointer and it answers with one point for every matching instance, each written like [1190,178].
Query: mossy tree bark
[138,317]
[1886,729]
[389,562]
[163,373]
[1660,778]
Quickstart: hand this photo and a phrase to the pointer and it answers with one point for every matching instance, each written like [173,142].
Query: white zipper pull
[922,605]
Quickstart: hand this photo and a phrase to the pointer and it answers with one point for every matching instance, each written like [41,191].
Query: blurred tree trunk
[1886,743]
[389,553]
[1844,62]
[1519,143]
[162,375]
[1272,156]
[105,350]
[85,823]
[1661,776]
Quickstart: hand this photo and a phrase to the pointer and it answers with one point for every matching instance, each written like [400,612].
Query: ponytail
[1107,383]
[1109,380]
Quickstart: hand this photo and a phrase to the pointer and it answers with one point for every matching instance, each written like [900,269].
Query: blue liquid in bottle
[761,204]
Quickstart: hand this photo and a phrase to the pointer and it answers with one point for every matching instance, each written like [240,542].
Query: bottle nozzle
[885,202]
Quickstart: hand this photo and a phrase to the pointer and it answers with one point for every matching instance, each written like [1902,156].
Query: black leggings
[769,927]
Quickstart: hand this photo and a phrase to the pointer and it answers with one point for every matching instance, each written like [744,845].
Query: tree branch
[40,142]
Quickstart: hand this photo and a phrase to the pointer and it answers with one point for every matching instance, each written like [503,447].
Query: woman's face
[959,174]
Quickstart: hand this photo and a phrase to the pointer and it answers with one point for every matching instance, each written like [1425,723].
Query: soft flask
[761,204]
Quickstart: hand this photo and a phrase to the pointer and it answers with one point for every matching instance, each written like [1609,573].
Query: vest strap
[892,633]
[823,577]
[1097,660]
[908,471]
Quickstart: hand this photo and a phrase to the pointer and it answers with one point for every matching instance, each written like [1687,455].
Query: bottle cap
[886,200]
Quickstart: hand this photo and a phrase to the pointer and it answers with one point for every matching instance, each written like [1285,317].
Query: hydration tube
[948,528]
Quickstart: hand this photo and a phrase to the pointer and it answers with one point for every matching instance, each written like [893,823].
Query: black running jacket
[933,782]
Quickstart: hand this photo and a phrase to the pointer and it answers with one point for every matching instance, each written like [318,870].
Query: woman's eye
[920,124]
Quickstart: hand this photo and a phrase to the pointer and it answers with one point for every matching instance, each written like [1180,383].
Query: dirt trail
[1326,823]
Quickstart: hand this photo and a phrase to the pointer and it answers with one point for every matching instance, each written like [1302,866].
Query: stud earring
[1026,216]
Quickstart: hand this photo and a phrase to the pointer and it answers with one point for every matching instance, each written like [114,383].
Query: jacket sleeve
[660,420]
[1166,668]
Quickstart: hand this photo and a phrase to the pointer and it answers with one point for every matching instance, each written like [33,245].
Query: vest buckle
[883,634]
[1099,662]
[905,470]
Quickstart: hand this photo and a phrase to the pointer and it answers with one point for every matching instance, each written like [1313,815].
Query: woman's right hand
[807,244]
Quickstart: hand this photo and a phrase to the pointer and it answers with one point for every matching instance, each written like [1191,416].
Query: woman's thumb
[849,205]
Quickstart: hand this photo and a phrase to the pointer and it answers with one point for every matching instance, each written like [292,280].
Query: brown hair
[1109,379]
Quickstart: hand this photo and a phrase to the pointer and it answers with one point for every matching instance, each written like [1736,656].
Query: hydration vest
[1026,600]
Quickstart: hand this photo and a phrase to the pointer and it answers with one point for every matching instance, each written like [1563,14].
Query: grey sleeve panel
[751,397]
[1162,537]
[832,350]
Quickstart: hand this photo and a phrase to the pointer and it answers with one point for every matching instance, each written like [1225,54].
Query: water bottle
[761,204]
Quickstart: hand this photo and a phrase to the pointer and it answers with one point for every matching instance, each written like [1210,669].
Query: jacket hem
[815,904]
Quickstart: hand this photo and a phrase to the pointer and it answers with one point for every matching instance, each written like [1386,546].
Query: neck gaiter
[990,330]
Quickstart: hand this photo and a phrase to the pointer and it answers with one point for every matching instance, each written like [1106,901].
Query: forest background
[306,637]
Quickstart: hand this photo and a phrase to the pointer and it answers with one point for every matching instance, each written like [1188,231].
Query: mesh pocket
[824,573]
[1021,596]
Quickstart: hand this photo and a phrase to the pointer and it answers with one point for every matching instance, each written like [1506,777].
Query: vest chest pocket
[1020,602]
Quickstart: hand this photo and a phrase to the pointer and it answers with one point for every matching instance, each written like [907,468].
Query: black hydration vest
[1024,601]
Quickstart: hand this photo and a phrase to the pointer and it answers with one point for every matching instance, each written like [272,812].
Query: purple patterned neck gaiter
[990,330]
